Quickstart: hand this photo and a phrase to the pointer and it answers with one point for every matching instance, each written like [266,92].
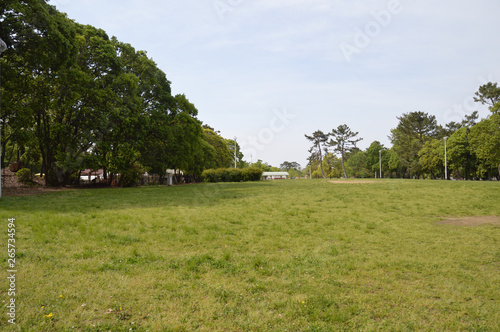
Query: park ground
[296,255]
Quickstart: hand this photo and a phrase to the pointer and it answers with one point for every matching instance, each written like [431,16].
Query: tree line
[418,147]
[74,98]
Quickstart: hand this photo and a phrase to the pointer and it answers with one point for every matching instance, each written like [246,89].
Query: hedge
[232,174]
[24,176]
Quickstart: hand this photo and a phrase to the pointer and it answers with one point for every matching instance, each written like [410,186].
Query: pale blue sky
[269,72]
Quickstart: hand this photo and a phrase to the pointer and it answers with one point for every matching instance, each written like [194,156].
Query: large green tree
[485,144]
[319,139]
[431,157]
[461,160]
[343,140]
[41,56]
[373,155]
[413,130]
[223,156]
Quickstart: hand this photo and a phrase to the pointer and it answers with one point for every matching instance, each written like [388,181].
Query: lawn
[297,255]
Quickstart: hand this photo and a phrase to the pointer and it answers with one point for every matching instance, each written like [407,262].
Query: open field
[305,255]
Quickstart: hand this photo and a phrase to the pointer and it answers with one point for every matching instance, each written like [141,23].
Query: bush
[222,175]
[252,174]
[131,177]
[209,175]
[234,174]
[24,176]
[231,174]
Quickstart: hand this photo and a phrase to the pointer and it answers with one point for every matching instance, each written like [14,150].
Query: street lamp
[380,162]
[3,47]
[445,160]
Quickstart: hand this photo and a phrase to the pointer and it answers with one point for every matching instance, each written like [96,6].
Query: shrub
[131,177]
[252,174]
[234,174]
[231,174]
[24,176]
[209,175]
[222,175]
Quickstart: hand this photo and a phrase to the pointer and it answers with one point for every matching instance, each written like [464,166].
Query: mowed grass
[304,255]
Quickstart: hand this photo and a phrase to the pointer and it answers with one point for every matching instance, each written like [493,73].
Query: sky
[269,72]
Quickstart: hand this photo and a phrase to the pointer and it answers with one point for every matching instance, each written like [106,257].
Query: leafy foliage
[319,139]
[78,99]
[343,140]
[24,176]
[232,174]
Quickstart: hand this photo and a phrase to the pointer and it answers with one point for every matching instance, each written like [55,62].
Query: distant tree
[470,120]
[460,156]
[394,163]
[332,166]
[356,165]
[319,139]
[373,160]
[431,157]
[287,166]
[413,130]
[489,94]
[223,157]
[485,143]
[262,165]
[343,140]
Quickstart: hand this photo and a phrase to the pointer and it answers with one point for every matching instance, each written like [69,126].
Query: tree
[373,157]
[413,130]
[485,143]
[332,166]
[431,157]
[489,94]
[343,140]
[286,166]
[394,163]
[357,165]
[319,139]
[461,160]
[223,157]
[263,165]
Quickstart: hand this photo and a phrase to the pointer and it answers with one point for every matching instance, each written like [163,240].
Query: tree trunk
[321,167]
[343,167]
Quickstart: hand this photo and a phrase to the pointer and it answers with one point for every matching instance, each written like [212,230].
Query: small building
[91,176]
[275,175]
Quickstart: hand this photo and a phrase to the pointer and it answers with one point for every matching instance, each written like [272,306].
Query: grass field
[304,255]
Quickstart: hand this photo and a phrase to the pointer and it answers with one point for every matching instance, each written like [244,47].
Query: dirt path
[471,221]
[352,181]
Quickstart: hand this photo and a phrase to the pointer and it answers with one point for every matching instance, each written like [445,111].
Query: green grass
[304,255]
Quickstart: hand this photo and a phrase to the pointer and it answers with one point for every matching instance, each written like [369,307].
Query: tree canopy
[74,98]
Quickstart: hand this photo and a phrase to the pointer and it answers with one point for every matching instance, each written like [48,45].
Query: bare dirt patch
[353,181]
[12,187]
[471,221]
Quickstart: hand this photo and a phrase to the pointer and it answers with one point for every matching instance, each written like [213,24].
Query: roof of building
[275,173]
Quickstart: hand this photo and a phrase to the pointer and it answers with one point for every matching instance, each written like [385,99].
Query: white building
[275,175]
